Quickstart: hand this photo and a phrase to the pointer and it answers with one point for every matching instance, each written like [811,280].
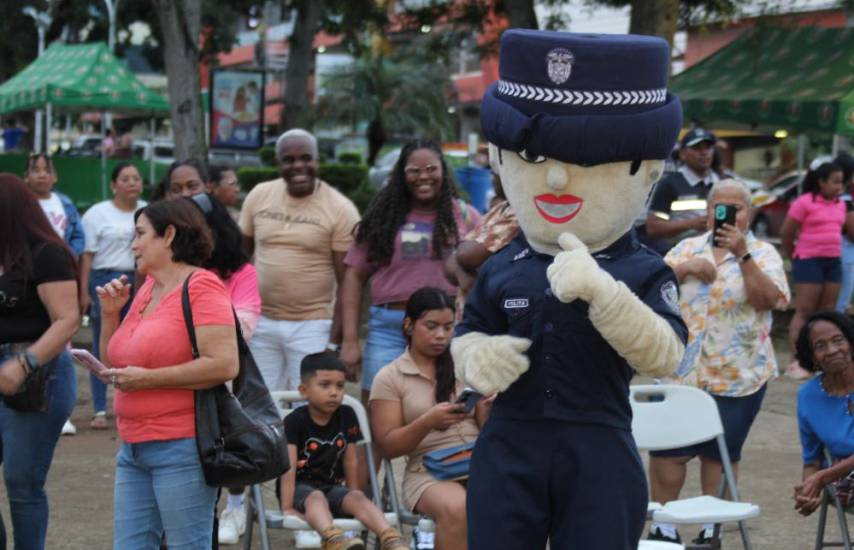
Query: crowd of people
[292,267]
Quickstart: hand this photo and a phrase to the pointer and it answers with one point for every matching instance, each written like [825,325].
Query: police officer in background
[678,206]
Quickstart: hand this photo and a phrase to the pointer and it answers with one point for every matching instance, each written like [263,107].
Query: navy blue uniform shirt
[575,375]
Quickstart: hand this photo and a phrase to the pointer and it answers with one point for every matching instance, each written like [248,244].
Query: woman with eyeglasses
[38,315]
[107,256]
[225,188]
[407,232]
[825,345]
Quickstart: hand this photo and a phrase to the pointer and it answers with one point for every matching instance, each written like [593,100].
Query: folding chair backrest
[670,416]
[283,398]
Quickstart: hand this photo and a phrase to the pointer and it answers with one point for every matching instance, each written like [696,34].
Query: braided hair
[388,210]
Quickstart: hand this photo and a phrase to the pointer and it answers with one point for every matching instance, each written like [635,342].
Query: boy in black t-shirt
[323,482]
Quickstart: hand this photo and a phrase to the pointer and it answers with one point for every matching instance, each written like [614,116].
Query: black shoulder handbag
[239,434]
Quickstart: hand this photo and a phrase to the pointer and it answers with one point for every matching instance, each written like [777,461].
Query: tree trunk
[180,21]
[376,139]
[655,17]
[521,14]
[296,113]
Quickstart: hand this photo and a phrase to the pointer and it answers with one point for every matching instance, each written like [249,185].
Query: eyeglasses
[415,171]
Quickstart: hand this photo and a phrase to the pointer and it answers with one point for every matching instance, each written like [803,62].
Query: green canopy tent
[80,77]
[798,79]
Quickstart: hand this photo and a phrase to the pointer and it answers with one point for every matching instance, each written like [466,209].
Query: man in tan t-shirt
[299,229]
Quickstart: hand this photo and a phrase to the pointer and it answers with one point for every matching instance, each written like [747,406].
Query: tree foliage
[401,93]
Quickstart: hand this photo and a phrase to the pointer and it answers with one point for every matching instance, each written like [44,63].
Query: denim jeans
[385,342]
[160,486]
[27,442]
[100,277]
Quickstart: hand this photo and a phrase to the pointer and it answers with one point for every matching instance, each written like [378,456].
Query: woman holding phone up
[729,283]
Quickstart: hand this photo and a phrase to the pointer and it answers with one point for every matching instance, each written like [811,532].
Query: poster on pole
[236,109]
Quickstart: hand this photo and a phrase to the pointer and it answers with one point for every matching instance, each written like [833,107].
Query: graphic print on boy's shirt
[320,449]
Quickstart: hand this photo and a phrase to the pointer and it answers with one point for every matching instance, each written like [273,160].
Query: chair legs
[745,538]
[843,526]
[822,523]
[255,512]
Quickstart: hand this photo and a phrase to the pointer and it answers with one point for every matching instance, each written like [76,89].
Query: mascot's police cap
[584,99]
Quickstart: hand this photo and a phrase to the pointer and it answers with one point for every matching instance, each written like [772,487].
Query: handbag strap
[188,319]
[188,315]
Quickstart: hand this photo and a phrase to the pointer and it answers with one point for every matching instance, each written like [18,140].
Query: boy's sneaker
[655,533]
[68,428]
[424,540]
[232,524]
[391,539]
[335,539]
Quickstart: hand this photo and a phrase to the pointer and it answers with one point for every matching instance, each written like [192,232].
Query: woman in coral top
[159,481]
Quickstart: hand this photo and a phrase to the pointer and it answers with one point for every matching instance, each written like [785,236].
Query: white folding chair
[659,545]
[830,498]
[421,523]
[305,536]
[679,416]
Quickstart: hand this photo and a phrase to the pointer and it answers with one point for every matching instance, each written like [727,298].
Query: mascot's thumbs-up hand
[575,274]
[489,364]
[631,327]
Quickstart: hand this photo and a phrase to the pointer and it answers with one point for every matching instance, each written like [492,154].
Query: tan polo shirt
[294,242]
[402,381]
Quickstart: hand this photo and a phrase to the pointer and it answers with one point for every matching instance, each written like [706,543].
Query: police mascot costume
[560,319]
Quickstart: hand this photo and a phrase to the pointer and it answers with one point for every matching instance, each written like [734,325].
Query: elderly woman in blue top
[825,345]
[559,320]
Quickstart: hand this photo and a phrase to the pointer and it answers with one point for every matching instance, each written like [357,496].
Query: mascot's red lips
[558,209]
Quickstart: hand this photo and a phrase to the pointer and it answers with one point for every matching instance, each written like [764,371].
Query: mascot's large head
[579,125]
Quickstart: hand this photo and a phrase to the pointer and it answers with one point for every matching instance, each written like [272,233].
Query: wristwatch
[334,348]
[29,361]
[745,258]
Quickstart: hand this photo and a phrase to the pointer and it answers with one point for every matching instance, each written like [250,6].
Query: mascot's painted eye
[528,157]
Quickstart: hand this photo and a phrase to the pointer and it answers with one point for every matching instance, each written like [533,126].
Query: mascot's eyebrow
[500,159]
[635,167]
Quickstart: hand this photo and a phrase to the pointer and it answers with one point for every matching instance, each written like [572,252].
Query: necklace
[849,403]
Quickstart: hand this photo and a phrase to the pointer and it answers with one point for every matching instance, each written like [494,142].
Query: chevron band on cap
[585,97]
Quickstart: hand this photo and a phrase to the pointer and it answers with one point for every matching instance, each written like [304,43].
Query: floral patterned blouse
[729,351]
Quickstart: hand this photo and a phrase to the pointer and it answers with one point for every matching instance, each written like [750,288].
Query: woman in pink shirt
[237,273]
[409,229]
[159,484]
[817,218]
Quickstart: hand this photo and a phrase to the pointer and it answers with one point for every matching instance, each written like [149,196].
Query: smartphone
[724,213]
[89,361]
[469,398]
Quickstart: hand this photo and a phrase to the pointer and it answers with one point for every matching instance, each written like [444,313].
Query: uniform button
[549,394]
[549,327]
[548,357]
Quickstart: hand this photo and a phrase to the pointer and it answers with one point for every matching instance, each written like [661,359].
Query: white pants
[279,346]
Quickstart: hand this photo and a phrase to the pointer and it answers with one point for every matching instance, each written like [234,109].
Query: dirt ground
[80,485]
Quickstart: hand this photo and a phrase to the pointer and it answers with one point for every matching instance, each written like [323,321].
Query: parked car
[771,211]
[378,173]
[85,145]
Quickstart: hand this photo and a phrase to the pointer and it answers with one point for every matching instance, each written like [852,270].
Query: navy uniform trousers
[579,486]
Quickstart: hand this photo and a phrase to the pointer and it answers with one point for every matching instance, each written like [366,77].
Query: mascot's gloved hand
[631,327]
[489,364]
[575,274]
